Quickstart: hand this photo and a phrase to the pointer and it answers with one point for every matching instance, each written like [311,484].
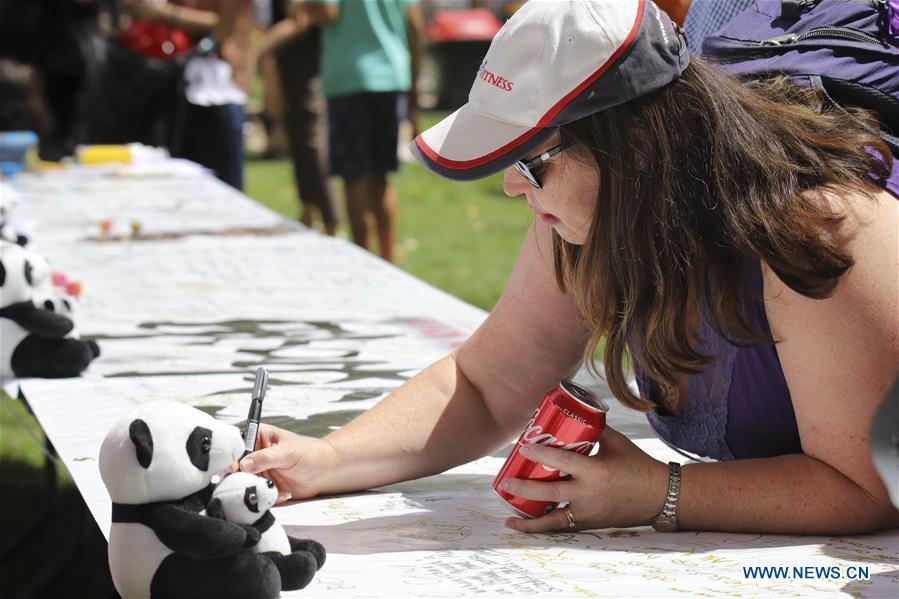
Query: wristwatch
[666,521]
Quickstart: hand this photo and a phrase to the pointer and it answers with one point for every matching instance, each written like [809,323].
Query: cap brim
[468,145]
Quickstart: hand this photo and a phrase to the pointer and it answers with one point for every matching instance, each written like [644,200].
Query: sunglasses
[530,168]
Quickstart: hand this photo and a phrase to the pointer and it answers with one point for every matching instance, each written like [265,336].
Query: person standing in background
[211,129]
[371,51]
[296,52]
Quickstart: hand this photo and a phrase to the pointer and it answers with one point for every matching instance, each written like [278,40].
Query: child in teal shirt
[369,61]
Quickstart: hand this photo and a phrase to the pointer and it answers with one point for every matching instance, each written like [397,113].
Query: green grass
[271,183]
[60,551]
[20,436]
[460,237]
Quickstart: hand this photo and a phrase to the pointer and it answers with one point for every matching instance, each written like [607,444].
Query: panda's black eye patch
[28,273]
[198,445]
[68,305]
[48,305]
[2,274]
[250,499]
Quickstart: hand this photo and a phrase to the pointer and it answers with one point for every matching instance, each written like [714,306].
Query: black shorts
[362,133]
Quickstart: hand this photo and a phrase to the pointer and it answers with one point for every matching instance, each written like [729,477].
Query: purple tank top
[739,406]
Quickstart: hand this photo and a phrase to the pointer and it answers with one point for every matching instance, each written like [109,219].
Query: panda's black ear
[143,442]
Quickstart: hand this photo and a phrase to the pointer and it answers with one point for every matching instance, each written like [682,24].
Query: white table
[184,313]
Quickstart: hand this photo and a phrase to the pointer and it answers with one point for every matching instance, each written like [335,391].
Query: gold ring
[571,520]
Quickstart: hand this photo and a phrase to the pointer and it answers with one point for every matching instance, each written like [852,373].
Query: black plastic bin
[457,65]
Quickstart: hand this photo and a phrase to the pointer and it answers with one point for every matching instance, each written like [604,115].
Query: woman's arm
[787,494]
[839,356]
[475,401]
[458,409]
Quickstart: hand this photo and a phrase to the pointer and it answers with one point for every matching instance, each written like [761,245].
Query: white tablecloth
[215,285]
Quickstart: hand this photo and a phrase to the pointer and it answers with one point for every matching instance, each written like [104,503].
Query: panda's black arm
[313,547]
[39,322]
[214,509]
[188,532]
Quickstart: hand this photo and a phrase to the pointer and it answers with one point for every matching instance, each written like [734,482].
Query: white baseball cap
[554,62]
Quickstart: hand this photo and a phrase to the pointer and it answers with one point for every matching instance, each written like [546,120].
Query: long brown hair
[692,178]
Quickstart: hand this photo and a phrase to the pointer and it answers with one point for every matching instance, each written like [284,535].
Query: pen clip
[261,385]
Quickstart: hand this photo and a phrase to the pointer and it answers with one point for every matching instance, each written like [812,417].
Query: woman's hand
[618,487]
[295,464]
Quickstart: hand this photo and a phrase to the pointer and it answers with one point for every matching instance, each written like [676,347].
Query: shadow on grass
[50,545]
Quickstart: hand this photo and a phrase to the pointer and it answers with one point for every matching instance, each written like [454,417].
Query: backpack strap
[793,9]
[865,97]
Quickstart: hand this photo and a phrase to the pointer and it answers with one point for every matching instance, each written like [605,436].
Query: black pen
[255,411]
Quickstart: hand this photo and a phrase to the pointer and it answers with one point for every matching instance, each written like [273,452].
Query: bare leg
[383,207]
[307,214]
[358,202]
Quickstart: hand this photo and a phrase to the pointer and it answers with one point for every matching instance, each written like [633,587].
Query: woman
[690,220]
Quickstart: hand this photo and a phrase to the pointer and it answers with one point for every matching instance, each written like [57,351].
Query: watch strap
[666,520]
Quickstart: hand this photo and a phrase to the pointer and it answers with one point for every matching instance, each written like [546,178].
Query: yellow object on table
[103,154]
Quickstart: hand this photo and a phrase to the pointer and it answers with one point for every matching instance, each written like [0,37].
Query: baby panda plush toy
[157,464]
[35,341]
[55,298]
[247,499]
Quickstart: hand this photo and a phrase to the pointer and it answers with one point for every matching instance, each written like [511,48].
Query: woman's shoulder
[867,295]
[839,354]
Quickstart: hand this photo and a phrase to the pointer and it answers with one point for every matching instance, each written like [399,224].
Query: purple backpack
[847,49]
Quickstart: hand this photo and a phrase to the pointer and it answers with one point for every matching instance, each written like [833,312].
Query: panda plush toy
[8,230]
[247,499]
[34,341]
[158,463]
[56,299]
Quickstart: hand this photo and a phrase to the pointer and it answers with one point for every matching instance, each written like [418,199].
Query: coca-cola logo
[534,435]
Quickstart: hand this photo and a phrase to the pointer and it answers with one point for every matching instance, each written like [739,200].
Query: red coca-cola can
[569,417]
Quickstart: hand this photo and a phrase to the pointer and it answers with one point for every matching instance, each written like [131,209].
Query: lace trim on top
[701,428]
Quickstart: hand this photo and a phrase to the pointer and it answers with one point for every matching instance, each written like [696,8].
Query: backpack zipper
[840,33]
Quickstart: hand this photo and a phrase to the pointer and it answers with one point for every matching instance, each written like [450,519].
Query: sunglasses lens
[527,174]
